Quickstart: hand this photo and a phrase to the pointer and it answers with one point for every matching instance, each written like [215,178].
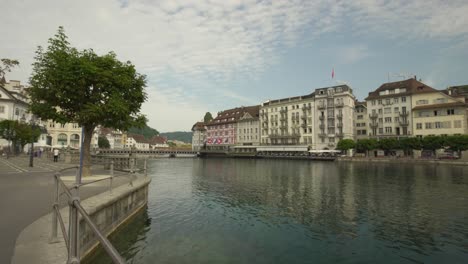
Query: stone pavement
[27,193]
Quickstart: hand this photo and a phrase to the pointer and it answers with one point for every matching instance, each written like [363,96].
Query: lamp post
[31,154]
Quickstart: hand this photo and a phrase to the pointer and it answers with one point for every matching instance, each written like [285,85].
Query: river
[294,211]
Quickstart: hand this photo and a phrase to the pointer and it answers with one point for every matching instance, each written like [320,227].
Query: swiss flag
[333,72]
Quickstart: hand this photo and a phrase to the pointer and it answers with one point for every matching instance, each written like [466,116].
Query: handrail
[72,238]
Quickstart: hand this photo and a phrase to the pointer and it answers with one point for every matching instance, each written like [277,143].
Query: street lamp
[31,154]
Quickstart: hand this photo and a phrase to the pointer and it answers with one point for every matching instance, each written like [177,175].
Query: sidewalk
[27,193]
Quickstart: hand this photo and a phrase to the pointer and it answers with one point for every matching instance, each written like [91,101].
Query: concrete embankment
[107,210]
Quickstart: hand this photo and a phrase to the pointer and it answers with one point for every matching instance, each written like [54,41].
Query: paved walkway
[27,193]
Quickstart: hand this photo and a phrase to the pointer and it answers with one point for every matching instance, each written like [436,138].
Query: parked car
[448,156]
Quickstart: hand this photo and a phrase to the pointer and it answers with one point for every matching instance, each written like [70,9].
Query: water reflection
[291,211]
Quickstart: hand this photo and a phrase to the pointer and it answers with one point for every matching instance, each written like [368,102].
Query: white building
[198,136]
[361,121]
[248,128]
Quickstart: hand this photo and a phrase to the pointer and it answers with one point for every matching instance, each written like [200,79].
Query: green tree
[407,144]
[18,133]
[388,144]
[457,143]
[146,131]
[365,145]
[433,143]
[346,144]
[208,117]
[82,87]
[5,66]
[103,142]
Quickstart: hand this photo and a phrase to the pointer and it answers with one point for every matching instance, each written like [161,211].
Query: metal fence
[71,237]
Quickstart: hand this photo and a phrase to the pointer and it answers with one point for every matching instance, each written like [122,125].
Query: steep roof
[412,86]
[198,126]
[233,115]
[138,138]
[157,140]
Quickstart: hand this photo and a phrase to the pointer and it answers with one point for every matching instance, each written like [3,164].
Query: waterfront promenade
[26,194]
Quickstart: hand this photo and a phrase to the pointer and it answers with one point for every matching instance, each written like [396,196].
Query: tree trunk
[88,135]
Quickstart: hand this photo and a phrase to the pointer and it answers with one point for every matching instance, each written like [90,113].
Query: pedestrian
[56,155]
[40,152]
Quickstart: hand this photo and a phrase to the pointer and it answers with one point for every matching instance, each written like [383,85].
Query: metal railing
[75,209]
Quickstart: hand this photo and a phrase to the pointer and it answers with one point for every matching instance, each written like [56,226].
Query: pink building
[221,131]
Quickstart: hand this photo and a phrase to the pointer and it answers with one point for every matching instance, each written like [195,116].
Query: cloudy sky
[209,55]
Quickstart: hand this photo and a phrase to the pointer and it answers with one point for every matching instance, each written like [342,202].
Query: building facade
[436,113]
[361,121]
[198,136]
[221,132]
[248,130]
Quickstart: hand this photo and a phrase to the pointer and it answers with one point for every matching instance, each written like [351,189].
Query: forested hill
[147,132]
[179,135]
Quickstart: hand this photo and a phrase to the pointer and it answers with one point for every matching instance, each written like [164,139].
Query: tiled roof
[158,140]
[198,126]
[138,138]
[430,106]
[412,86]
[233,115]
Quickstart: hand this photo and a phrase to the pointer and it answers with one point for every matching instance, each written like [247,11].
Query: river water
[293,211]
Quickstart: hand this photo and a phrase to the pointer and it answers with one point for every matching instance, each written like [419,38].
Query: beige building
[248,129]
[436,113]
[287,121]
[317,120]
[333,115]
[361,121]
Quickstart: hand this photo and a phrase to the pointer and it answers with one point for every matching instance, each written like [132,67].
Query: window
[449,111]
[419,126]
[360,117]
[2,109]
[387,110]
[457,124]
[388,130]
[422,102]
[396,109]
[395,100]
[435,113]
[403,99]
[380,120]
[380,111]
[428,125]
[397,119]
[380,101]
[387,101]
[438,125]
[381,130]
[388,120]
[373,102]
[17,111]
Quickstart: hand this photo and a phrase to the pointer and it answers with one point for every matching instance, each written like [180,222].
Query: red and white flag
[333,72]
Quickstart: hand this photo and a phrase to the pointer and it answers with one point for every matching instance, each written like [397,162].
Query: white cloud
[213,42]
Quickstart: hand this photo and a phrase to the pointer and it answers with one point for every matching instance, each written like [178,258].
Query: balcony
[283,119]
[330,118]
[331,125]
[321,118]
[304,117]
[339,104]
[307,107]
[322,126]
[340,125]
[373,115]
[374,124]
[304,125]
[340,134]
[322,134]
[321,106]
[403,114]
[404,123]
[340,116]
[285,135]
[283,111]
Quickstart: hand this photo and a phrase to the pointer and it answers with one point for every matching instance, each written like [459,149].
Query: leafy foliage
[19,133]
[6,65]
[432,142]
[179,135]
[346,144]
[364,145]
[388,144]
[208,117]
[103,142]
[146,131]
[71,86]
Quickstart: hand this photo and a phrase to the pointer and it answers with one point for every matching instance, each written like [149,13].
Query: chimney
[415,78]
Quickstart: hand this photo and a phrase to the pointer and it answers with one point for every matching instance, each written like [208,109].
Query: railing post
[55,205]
[111,176]
[73,251]
[146,167]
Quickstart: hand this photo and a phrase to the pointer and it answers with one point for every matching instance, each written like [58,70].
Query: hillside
[147,132]
[179,135]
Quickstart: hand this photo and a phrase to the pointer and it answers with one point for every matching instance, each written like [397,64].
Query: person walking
[56,155]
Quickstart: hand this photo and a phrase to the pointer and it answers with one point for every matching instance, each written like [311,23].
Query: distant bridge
[169,152]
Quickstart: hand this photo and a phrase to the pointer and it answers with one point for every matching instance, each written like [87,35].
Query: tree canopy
[208,117]
[82,87]
[18,133]
[103,142]
[345,144]
[5,66]
[146,131]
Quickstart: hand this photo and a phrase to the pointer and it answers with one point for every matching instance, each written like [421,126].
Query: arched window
[75,141]
[62,140]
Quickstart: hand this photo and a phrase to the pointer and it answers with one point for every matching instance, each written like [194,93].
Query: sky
[207,56]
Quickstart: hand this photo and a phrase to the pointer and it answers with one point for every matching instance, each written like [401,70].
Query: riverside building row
[320,119]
